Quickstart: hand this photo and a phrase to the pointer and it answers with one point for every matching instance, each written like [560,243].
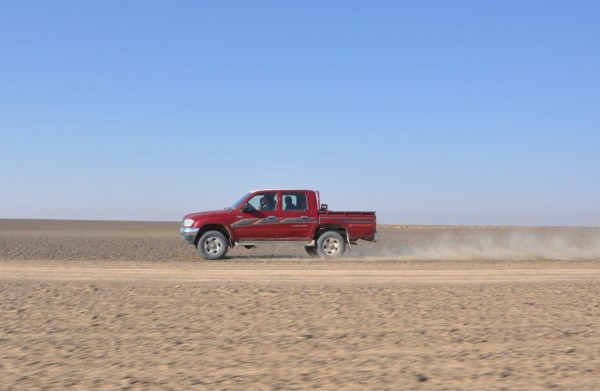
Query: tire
[330,245]
[311,251]
[212,245]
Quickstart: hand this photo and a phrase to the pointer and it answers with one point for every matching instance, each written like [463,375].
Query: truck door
[258,218]
[295,221]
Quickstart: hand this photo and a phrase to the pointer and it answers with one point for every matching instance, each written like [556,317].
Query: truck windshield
[239,202]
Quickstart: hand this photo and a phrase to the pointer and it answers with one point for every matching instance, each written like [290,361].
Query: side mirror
[246,207]
[324,207]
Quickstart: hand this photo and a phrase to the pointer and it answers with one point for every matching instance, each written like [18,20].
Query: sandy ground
[126,305]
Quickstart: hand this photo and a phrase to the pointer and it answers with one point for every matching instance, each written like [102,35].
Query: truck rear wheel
[330,245]
[212,245]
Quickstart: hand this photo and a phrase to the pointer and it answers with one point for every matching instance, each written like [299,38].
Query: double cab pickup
[278,217]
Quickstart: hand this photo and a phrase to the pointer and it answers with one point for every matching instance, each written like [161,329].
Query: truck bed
[358,225]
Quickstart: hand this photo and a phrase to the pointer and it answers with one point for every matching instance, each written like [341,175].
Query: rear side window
[294,201]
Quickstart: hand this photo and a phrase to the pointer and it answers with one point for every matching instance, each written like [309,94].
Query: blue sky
[429,112]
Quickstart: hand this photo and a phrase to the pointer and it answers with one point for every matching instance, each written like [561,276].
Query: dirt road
[286,272]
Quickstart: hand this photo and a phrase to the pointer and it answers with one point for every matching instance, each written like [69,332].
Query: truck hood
[200,215]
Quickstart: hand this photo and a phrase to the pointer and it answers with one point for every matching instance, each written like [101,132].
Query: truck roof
[286,190]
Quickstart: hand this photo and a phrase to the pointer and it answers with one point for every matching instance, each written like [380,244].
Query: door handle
[304,217]
[271,217]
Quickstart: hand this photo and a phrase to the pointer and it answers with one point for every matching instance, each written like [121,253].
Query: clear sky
[429,112]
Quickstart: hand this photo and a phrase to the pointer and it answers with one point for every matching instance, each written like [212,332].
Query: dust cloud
[481,243]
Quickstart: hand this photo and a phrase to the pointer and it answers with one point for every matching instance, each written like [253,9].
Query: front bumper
[188,234]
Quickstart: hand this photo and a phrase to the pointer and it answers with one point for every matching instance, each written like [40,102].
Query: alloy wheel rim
[331,246]
[212,245]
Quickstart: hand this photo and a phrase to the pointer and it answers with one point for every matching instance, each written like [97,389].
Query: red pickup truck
[278,217]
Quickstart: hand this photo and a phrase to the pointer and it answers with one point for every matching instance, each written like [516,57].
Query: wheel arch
[213,227]
[331,227]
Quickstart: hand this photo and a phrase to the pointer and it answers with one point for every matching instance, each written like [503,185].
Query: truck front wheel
[212,245]
[330,245]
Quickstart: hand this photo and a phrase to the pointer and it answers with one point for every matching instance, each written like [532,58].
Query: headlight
[188,222]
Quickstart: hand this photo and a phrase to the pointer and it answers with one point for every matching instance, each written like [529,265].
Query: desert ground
[92,305]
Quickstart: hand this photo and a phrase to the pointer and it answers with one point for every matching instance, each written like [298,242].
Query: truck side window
[266,202]
[294,201]
[301,204]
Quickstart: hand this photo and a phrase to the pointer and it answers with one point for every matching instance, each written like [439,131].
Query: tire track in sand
[82,273]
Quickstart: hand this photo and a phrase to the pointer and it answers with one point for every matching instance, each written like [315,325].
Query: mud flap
[349,245]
